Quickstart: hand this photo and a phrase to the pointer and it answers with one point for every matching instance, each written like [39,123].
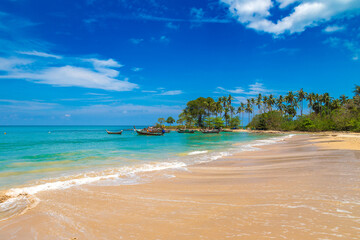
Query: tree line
[282,112]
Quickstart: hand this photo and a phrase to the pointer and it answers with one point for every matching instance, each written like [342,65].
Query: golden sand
[291,190]
[340,141]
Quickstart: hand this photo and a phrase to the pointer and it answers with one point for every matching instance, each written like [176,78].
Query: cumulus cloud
[100,75]
[256,14]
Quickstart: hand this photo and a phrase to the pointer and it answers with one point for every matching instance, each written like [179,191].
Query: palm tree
[249,109]
[242,105]
[280,104]
[270,102]
[301,95]
[218,107]
[343,99]
[265,100]
[229,99]
[311,97]
[326,99]
[232,111]
[335,104]
[259,101]
[290,98]
[240,111]
[253,101]
[357,90]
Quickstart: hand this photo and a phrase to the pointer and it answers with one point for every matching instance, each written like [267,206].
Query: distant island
[282,113]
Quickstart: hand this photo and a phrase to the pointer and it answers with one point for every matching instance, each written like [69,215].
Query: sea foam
[23,196]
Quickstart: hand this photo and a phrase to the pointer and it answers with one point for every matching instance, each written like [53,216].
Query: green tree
[161,121]
[301,95]
[235,122]
[170,120]
[196,109]
[357,90]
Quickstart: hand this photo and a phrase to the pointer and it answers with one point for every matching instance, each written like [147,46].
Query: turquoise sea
[33,154]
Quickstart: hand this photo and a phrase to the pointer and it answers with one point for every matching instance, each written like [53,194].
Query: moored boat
[114,132]
[186,131]
[148,133]
[210,131]
[227,130]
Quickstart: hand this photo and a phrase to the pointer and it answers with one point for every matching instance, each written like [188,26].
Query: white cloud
[148,91]
[237,90]
[70,76]
[40,54]
[334,28]
[255,14]
[67,115]
[104,66]
[171,93]
[11,64]
[257,88]
[253,89]
[99,76]
[23,106]
[351,45]
[136,69]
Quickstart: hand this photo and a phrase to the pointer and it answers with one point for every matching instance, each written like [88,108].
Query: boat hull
[186,131]
[118,133]
[149,133]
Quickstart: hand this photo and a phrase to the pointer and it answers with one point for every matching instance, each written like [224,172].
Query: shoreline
[218,199]
[28,192]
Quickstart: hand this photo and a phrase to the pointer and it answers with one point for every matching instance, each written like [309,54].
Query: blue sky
[130,62]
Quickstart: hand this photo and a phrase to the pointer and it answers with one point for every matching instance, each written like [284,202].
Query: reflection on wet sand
[291,190]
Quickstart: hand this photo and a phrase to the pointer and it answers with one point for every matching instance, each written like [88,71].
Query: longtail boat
[210,131]
[143,132]
[227,130]
[185,131]
[114,132]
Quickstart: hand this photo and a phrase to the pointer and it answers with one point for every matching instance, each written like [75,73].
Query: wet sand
[297,189]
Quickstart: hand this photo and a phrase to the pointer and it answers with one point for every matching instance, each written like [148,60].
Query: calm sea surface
[31,153]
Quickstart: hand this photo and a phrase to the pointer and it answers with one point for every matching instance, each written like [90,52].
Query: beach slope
[296,189]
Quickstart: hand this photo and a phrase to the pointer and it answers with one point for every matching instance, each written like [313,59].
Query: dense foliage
[206,112]
[286,113]
[326,113]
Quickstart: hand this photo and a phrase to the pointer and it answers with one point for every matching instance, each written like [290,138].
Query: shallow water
[29,154]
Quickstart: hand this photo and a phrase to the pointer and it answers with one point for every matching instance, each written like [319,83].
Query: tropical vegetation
[300,111]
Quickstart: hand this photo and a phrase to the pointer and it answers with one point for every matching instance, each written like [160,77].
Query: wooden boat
[140,132]
[226,130]
[114,132]
[210,131]
[143,132]
[185,131]
[160,130]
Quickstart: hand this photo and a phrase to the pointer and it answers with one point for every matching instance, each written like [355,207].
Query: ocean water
[33,154]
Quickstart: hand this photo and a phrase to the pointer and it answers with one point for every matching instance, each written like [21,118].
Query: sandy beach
[304,187]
